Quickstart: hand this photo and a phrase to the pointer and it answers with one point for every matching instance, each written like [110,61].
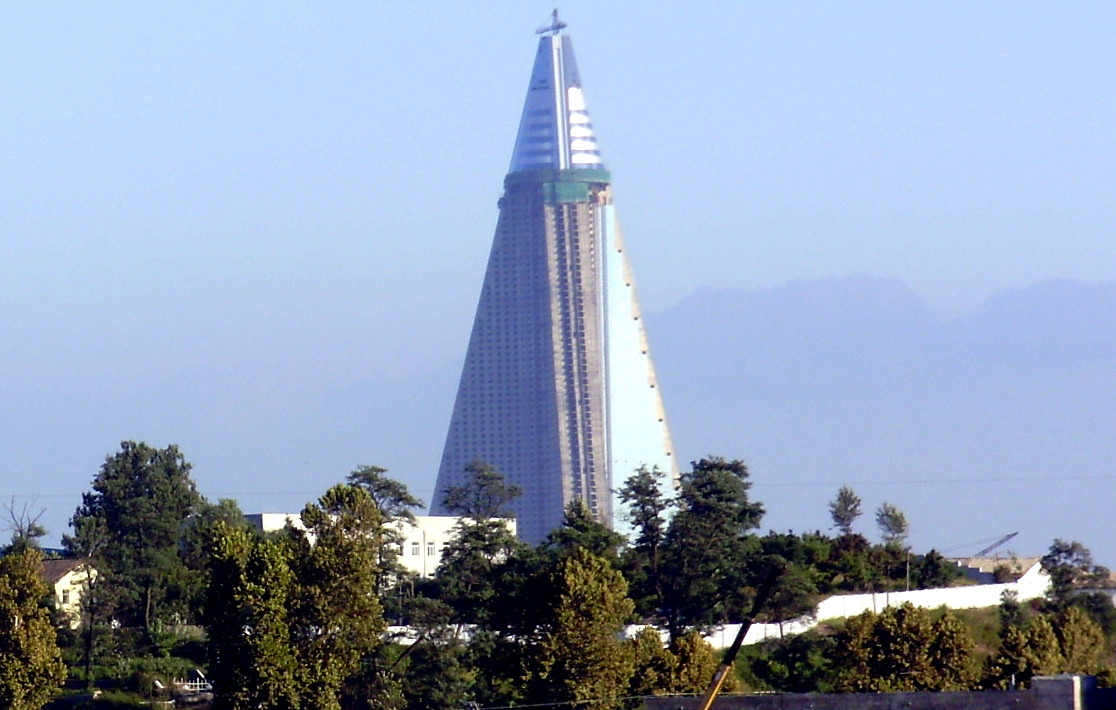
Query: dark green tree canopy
[290,617]
[390,497]
[1071,568]
[709,555]
[646,507]
[581,531]
[131,526]
[484,495]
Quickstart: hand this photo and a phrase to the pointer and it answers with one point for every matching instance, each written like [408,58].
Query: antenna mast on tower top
[554,27]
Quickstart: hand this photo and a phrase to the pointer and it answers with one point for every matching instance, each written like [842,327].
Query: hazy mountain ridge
[855,379]
[860,330]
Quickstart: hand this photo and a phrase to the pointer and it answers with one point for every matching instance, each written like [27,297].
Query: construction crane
[996,544]
[763,594]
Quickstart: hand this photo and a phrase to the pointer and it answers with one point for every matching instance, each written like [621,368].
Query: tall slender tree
[845,509]
[709,553]
[31,667]
[647,508]
[892,523]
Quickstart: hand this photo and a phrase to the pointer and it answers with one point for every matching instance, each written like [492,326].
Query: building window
[65,596]
[415,549]
[429,549]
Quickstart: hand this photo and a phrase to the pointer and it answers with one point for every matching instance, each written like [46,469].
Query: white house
[69,580]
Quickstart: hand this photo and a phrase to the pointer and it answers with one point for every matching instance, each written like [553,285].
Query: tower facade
[558,392]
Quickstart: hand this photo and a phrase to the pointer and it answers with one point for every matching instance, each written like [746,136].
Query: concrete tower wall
[557,391]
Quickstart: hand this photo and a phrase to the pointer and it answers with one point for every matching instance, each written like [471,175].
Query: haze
[258,230]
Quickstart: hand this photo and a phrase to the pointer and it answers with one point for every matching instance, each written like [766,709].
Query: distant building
[422,544]
[69,580]
[998,570]
[558,392]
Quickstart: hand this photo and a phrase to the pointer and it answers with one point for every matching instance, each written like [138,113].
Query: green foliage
[396,506]
[797,664]
[337,613]
[646,510]
[484,495]
[849,566]
[1082,642]
[695,662]
[1071,568]
[1098,605]
[707,553]
[378,682]
[439,674]
[251,645]
[130,525]
[845,509]
[291,617]
[931,571]
[796,592]
[481,566]
[31,666]
[654,666]
[904,649]
[892,523]
[1024,653]
[577,656]
[581,531]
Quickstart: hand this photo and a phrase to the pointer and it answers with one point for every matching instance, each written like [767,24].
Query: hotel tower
[558,392]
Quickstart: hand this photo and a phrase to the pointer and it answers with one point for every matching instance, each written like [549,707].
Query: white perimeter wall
[1031,585]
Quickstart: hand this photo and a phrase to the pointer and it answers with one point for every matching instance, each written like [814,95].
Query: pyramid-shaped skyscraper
[558,392]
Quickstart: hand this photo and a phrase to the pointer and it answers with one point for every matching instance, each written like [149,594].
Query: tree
[472,573]
[845,509]
[708,552]
[484,495]
[31,667]
[23,524]
[892,523]
[578,657]
[1081,641]
[439,675]
[337,613]
[131,525]
[1024,653]
[932,571]
[581,531]
[647,509]
[484,565]
[903,649]
[654,666]
[290,617]
[1071,568]
[951,655]
[395,505]
[695,662]
[253,655]
[794,595]
[799,664]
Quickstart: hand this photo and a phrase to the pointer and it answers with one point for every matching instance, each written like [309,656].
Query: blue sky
[250,227]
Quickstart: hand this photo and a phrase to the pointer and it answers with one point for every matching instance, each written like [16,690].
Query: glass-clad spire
[555,132]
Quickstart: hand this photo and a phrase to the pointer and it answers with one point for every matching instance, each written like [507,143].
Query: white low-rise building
[421,544]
